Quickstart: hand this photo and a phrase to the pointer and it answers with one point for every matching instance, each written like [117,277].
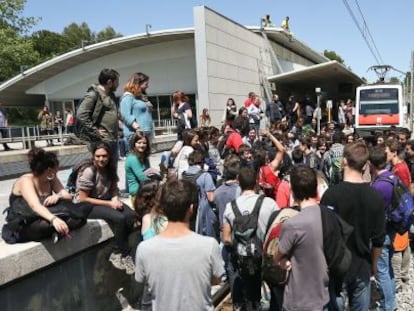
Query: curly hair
[40,160]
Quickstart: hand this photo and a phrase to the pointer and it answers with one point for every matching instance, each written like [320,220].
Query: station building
[216,59]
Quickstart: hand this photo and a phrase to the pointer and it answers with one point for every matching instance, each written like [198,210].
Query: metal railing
[28,135]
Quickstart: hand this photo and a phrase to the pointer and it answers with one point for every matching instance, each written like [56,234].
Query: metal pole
[318,108]
[410,115]
[319,114]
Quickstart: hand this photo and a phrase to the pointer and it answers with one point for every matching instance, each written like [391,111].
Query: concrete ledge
[14,163]
[21,259]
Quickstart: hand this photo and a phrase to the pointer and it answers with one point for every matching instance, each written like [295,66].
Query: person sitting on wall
[40,207]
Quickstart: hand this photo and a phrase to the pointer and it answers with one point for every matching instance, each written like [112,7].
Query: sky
[321,24]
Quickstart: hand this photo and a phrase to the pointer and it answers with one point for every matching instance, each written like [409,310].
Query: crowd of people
[215,182]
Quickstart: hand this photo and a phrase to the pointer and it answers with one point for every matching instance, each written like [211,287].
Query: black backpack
[247,247]
[336,232]
[73,176]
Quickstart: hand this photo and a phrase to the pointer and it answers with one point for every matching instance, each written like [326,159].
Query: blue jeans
[385,276]
[358,290]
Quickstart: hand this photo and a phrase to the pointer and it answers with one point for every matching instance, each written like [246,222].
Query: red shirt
[234,141]
[247,103]
[270,178]
[283,194]
[403,172]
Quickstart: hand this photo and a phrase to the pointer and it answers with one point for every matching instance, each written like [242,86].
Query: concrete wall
[71,275]
[227,56]
[170,66]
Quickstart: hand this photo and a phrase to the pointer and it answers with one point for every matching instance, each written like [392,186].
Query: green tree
[48,44]
[75,34]
[333,56]
[16,54]
[16,49]
[107,34]
[11,16]
[395,80]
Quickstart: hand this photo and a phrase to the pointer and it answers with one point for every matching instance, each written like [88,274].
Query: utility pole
[411,91]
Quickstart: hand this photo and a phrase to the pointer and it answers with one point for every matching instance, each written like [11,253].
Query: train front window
[379,101]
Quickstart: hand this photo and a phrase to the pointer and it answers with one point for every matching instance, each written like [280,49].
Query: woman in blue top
[137,162]
[136,110]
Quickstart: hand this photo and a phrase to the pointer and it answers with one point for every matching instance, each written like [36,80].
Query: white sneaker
[116,261]
[128,264]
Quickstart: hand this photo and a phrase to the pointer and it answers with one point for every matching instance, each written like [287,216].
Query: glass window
[193,104]
[165,107]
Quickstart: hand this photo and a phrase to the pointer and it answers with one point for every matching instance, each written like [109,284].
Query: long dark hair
[147,199]
[110,168]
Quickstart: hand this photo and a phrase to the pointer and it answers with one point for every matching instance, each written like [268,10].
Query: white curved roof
[13,91]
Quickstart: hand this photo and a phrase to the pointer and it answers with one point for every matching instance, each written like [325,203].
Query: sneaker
[116,261]
[128,264]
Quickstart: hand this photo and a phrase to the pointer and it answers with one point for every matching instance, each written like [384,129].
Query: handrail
[27,135]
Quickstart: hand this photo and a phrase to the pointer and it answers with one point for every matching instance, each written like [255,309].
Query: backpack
[335,172]
[73,176]
[205,217]
[336,232]
[273,274]
[221,146]
[82,128]
[400,215]
[247,247]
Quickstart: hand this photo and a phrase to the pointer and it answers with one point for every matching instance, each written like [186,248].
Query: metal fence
[28,135]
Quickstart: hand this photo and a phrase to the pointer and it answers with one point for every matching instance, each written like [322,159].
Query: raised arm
[280,148]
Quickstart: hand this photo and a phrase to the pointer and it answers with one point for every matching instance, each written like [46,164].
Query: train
[381,105]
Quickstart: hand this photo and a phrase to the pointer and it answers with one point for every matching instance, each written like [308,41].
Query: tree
[16,49]
[16,54]
[75,34]
[333,56]
[48,44]
[10,16]
[395,80]
[107,34]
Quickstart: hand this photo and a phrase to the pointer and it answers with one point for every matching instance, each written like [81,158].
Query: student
[384,275]
[137,162]
[301,247]
[136,110]
[181,111]
[97,114]
[177,257]
[153,222]
[363,208]
[97,185]
[247,288]
[46,125]
[35,198]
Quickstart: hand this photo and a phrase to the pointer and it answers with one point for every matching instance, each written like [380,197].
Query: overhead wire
[350,11]
[368,31]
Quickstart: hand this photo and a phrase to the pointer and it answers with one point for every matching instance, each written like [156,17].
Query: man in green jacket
[97,114]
